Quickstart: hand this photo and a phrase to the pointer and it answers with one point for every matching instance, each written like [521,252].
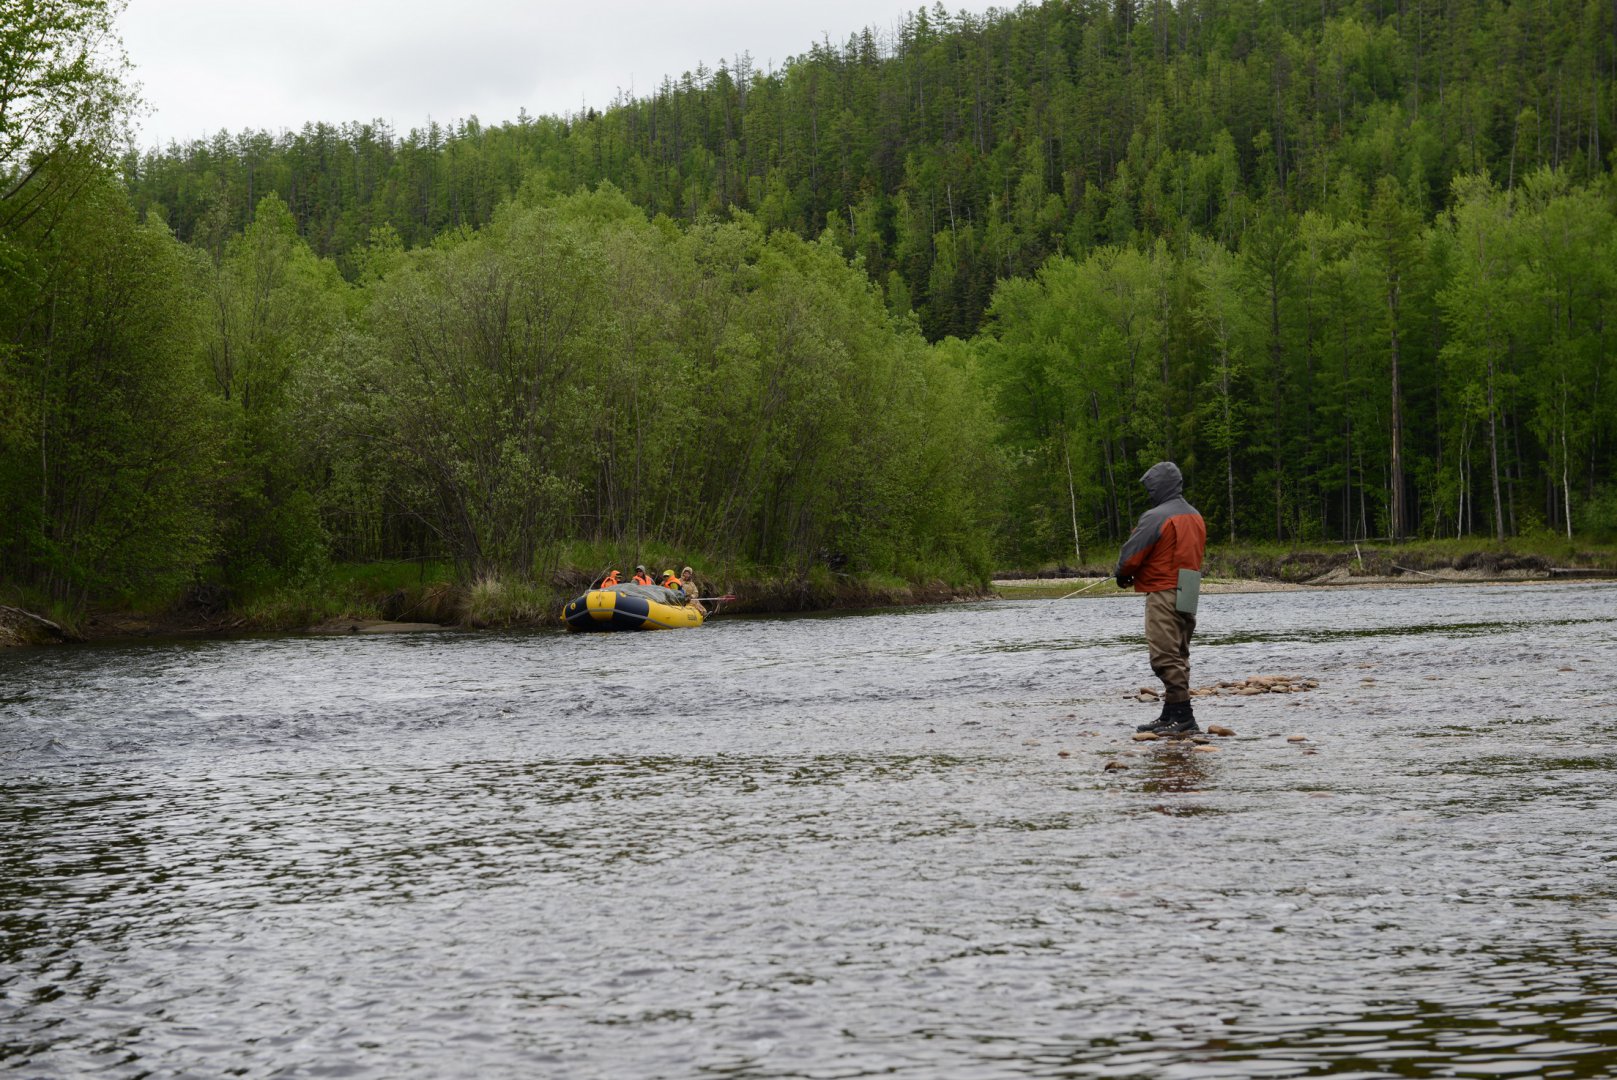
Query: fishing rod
[1080,592]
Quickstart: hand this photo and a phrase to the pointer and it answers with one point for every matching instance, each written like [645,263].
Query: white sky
[206,65]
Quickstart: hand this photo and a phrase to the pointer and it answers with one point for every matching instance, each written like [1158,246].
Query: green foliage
[467,378]
[1600,515]
[271,309]
[497,601]
[903,310]
[575,372]
[61,88]
[1330,379]
[417,591]
[957,150]
[111,450]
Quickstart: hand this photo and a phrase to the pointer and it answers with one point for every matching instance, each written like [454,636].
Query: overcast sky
[211,64]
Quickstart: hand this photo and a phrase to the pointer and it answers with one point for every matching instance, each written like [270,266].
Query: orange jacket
[643,579]
[609,581]
[1170,537]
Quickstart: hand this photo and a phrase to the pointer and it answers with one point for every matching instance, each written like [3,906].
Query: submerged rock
[1146,736]
[1257,684]
[1219,729]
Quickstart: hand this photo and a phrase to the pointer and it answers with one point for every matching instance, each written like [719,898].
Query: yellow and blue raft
[631,607]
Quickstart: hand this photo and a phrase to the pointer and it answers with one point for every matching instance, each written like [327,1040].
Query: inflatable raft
[631,607]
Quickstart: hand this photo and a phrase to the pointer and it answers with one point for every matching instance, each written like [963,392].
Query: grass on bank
[429,592]
[1057,588]
[493,601]
[406,590]
[64,614]
[1298,563]
[720,573]
[416,591]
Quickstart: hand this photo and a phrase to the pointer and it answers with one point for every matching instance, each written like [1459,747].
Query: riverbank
[409,596]
[1269,568]
[21,627]
[400,598]
[1060,588]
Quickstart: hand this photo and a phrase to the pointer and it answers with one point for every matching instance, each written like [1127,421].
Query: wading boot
[1177,719]
[1152,725]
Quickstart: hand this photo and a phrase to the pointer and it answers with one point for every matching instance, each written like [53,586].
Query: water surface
[824,847]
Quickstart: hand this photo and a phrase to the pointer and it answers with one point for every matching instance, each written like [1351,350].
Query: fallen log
[37,625]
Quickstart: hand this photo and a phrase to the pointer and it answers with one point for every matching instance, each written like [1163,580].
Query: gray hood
[1163,481]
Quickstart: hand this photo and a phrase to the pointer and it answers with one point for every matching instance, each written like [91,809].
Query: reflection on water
[822,847]
[1177,768]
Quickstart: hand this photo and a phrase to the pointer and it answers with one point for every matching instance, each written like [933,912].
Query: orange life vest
[643,579]
[610,580]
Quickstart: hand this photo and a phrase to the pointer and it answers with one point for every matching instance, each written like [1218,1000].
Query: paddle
[709,612]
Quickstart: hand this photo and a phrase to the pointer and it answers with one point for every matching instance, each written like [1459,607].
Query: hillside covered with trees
[966,149]
[908,305]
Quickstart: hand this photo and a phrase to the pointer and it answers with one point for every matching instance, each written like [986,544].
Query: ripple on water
[817,847]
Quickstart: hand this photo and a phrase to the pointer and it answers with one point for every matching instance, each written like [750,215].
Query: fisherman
[1169,538]
[687,584]
[612,578]
[641,577]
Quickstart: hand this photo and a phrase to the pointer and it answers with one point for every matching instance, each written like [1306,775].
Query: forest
[922,304]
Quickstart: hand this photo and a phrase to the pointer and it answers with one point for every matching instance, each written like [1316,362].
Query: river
[836,846]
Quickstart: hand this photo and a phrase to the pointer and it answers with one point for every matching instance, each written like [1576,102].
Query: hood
[1163,481]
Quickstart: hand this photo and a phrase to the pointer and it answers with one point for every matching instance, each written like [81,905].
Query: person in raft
[687,582]
[641,577]
[1171,536]
[609,579]
[670,580]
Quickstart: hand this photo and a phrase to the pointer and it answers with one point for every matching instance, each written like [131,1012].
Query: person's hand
[1124,581]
